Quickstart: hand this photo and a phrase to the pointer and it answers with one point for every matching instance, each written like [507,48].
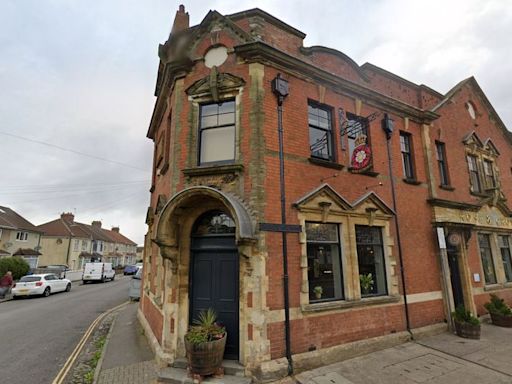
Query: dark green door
[214,283]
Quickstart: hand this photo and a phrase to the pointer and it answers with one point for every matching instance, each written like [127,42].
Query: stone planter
[206,358]
[501,320]
[468,331]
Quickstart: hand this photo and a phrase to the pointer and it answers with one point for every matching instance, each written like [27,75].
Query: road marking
[76,352]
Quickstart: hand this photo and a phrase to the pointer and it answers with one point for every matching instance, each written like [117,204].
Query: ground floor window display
[370,255]
[486,255]
[324,263]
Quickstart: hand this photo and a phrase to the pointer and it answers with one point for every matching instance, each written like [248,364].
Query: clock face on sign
[361,157]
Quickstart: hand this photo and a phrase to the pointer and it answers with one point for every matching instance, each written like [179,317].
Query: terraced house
[66,241]
[316,204]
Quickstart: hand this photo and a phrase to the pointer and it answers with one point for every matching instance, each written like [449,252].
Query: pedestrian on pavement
[5,284]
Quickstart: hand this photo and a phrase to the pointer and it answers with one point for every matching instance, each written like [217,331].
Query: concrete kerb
[97,370]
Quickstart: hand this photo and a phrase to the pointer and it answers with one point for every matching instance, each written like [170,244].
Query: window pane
[505,256]
[370,255]
[319,143]
[487,263]
[227,119]
[217,144]
[322,232]
[209,121]
[324,264]
[210,109]
[227,107]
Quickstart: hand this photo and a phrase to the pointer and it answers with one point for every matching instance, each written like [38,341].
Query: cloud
[82,75]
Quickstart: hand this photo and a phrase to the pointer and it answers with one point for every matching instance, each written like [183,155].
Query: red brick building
[395,198]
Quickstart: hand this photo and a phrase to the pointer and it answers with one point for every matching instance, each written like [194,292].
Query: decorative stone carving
[215,84]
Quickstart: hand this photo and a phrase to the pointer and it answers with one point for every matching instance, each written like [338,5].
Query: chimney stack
[115,229]
[181,20]
[96,223]
[68,217]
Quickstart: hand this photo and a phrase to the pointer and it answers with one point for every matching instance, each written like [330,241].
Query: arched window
[214,223]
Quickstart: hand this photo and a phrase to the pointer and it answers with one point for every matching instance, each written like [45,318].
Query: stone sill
[493,287]
[366,173]
[412,181]
[333,305]
[447,187]
[325,163]
[498,286]
[213,170]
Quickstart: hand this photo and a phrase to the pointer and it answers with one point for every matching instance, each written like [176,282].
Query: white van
[98,272]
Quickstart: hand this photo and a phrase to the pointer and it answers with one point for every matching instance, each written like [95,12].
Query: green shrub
[460,315]
[498,306]
[17,265]
[205,328]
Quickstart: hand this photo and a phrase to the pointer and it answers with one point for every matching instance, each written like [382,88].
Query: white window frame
[21,236]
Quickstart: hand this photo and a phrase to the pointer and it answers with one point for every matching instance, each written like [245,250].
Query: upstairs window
[75,245]
[486,254]
[217,133]
[320,132]
[490,182]
[474,174]
[407,159]
[22,236]
[441,163]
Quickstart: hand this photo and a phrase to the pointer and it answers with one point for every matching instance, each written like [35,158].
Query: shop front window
[503,242]
[370,255]
[486,255]
[324,262]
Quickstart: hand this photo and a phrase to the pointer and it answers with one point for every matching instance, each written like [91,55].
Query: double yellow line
[76,352]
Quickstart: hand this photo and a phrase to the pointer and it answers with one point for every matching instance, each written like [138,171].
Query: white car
[43,284]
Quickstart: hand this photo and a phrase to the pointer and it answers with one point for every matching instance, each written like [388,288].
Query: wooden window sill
[325,163]
[344,304]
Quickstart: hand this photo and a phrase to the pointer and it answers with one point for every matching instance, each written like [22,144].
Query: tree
[17,265]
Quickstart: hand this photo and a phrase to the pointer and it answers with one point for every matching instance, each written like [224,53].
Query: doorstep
[177,374]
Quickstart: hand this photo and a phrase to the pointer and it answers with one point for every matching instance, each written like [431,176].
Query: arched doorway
[214,276]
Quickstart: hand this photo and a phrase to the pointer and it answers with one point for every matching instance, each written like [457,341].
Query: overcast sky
[81,75]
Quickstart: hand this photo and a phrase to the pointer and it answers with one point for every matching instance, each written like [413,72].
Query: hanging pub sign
[361,155]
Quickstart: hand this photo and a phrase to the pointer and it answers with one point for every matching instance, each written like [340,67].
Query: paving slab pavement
[440,359]
[128,358]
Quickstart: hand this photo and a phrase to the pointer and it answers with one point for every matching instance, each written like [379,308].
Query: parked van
[98,272]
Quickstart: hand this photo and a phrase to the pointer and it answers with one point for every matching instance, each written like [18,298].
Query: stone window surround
[499,271]
[207,98]
[481,156]
[350,269]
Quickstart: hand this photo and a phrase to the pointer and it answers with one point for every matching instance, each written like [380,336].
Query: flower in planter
[366,282]
[498,306]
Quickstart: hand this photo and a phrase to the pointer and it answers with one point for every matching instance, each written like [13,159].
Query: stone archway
[173,236]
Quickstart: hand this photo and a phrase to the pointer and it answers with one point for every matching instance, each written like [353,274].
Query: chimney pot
[96,223]
[181,20]
[115,229]
[67,217]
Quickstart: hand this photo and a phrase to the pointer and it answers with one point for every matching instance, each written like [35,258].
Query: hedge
[17,265]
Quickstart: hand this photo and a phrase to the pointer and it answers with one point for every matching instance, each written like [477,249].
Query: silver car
[134,290]
[43,284]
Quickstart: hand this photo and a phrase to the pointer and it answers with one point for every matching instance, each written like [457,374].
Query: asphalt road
[38,334]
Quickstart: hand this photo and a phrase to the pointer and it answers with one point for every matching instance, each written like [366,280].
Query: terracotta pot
[501,320]
[206,358]
[468,331]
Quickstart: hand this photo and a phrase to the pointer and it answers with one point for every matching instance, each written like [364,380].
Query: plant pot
[501,320]
[206,358]
[318,296]
[467,330]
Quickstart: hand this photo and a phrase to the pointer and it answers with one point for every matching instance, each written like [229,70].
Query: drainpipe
[387,126]
[280,89]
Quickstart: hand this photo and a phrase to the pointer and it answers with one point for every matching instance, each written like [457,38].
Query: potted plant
[366,282]
[501,314]
[205,342]
[318,290]
[466,325]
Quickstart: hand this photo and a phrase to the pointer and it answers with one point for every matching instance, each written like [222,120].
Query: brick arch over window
[167,228]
